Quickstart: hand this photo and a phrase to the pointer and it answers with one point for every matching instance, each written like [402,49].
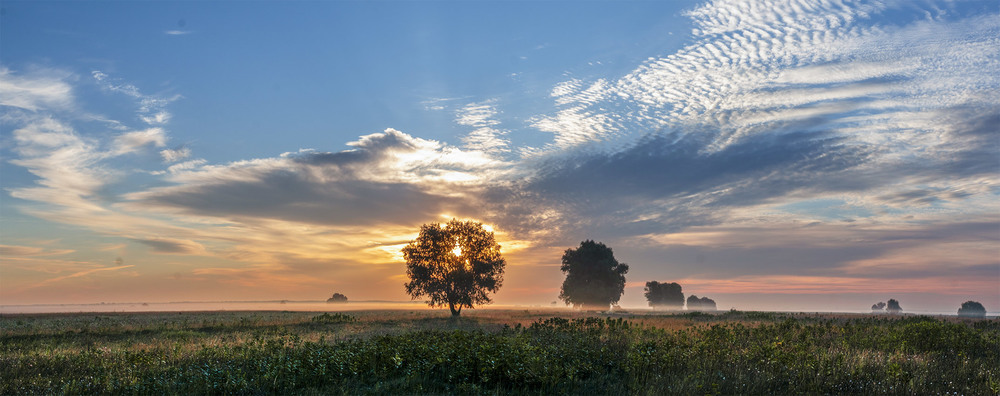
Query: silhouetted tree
[594,278]
[455,264]
[693,303]
[972,309]
[708,304]
[700,304]
[878,307]
[337,298]
[893,307]
[664,295]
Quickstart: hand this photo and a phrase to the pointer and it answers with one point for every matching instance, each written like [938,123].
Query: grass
[496,352]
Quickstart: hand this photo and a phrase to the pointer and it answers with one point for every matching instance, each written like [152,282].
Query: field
[496,352]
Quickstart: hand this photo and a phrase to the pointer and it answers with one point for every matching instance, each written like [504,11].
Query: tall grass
[732,353]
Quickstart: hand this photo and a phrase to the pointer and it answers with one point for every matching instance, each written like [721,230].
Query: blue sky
[752,151]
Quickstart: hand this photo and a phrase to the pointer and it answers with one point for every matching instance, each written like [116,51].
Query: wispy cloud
[64,162]
[39,89]
[175,154]
[172,246]
[31,251]
[75,275]
[486,137]
[755,63]
[132,141]
[151,108]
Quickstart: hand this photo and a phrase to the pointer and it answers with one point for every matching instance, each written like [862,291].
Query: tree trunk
[454,312]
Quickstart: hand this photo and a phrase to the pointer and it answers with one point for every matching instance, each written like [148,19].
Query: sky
[772,155]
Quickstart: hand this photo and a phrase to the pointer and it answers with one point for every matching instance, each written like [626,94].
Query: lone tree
[972,309]
[664,295]
[700,304]
[337,298]
[878,307]
[455,264]
[893,307]
[594,278]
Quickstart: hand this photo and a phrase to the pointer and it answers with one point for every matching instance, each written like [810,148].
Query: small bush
[335,318]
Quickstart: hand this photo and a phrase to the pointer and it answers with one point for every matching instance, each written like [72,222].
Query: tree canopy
[892,306]
[972,309]
[594,278]
[337,298]
[664,295]
[455,264]
[878,307]
[700,304]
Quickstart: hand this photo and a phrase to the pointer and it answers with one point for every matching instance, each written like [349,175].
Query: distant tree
[454,264]
[594,278]
[667,295]
[878,307]
[972,309]
[700,304]
[893,307]
[693,303]
[337,298]
[708,304]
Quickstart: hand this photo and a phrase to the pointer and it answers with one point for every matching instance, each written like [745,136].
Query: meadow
[492,351]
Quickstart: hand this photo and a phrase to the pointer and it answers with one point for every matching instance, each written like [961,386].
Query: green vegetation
[378,352]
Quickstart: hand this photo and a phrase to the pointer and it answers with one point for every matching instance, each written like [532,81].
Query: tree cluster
[665,295]
[700,304]
[459,263]
[891,307]
[337,298]
[972,309]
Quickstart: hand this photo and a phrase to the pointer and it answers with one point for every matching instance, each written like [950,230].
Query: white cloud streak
[174,155]
[151,108]
[133,141]
[486,137]
[757,64]
[39,89]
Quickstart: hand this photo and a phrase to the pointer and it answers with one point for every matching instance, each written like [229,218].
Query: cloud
[776,101]
[670,181]
[176,154]
[485,137]
[64,162]
[161,117]
[151,108]
[171,246]
[753,64]
[30,251]
[133,141]
[74,275]
[37,90]
[177,32]
[387,177]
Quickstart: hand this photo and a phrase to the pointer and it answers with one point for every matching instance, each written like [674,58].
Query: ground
[535,351]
